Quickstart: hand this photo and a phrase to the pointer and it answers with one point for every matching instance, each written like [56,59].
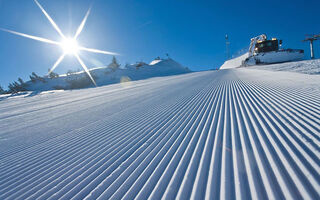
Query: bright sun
[70,46]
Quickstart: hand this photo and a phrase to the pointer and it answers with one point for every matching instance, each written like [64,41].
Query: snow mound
[235,62]
[306,67]
[155,62]
[106,76]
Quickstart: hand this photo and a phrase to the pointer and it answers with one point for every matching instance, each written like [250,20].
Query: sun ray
[56,63]
[69,45]
[80,28]
[31,37]
[85,68]
[55,26]
[98,51]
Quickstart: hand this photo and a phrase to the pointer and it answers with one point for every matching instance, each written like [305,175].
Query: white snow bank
[105,76]
[306,67]
[155,62]
[235,62]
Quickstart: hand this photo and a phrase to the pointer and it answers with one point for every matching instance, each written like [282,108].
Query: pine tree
[16,87]
[1,90]
[114,65]
[21,81]
[12,88]
[16,84]
[52,74]
[34,77]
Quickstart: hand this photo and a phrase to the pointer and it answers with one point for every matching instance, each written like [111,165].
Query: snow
[235,62]
[155,62]
[279,56]
[238,133]
[268,57]
[306,67]
[106,76]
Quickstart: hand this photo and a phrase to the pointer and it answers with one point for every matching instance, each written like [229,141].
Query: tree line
[20,85]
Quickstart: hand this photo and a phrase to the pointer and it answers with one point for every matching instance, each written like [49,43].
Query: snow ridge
[107,76]
[220,134]
[306,67]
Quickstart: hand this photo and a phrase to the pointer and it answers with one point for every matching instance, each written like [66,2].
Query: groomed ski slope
[238,133]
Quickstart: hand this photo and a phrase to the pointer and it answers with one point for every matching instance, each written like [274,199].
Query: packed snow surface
[238,133]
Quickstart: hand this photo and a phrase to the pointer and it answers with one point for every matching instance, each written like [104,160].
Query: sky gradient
[192,32]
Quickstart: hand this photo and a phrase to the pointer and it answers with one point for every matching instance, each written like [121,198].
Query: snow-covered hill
[105,76]
[227,134]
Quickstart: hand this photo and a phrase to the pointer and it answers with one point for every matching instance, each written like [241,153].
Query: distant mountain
[105,75]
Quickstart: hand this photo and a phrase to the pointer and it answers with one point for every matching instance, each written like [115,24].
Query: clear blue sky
[192,32]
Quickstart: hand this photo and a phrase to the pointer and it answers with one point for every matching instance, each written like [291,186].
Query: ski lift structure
[227,47]
[311,38]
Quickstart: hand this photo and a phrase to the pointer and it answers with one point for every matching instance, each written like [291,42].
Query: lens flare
[69,45]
